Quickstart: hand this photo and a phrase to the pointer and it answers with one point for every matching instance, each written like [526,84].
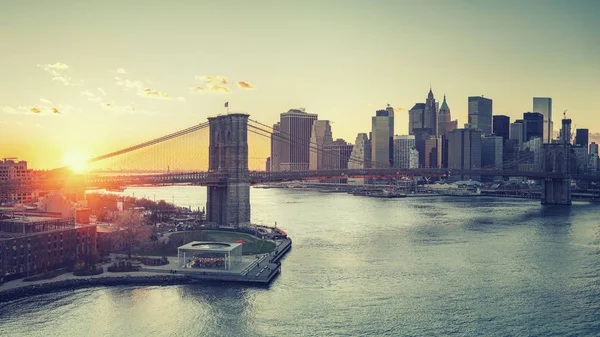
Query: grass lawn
[252,245]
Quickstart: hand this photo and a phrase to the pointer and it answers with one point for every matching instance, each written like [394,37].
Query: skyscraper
[501,126]
[321,137]
[430,120]
[543,105]
[361,152]
[433,152]
[276,148]
[491,152]
[382,138]
[464,150]
[296,130]
[517,132]
[415,118]
[360,157]
[444,119]
[534,125]
[480,114]
[582,137]
[402,147]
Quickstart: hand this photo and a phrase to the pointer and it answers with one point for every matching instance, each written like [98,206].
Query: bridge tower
[557,159]
[228,202]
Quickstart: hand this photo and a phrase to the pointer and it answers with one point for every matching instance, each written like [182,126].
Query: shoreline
[106,281]
[16,289]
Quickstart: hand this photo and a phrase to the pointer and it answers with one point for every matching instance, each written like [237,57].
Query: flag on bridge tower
[227,106]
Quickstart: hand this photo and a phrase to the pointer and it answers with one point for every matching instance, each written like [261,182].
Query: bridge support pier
[228,202]
[557,191]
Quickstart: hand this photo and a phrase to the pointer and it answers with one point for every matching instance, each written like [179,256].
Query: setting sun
[76,161]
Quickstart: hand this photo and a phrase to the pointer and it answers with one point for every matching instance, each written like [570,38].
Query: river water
[365,266]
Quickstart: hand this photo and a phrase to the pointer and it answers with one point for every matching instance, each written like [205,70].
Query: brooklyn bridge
[228,154]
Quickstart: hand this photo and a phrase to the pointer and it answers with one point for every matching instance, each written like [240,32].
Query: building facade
[415,118]
[360,157]
[430,117]
[295,131]
[445,123]
[492,152]
[501,126]
[582,137]
[33,244]
[382,138]
[321,137]
[433,152]
[480,114]
[543,105]
[276,148]
[464,151]
[534,125]
[517,132]
[403,145]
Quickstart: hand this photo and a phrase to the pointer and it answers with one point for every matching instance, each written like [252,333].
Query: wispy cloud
[129,84]
[399,109]
[212,79]
[90,96]
[126,109]
[143,91]
[45,101]
[102,92]
[218,88]
[198,90]
[58,72]
[147,92]
[122,71]
[37,110]
[245,85]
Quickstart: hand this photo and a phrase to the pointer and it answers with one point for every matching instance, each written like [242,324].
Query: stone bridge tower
[557,159]
[228,202]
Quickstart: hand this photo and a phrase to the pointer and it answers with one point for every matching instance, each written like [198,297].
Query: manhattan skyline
[97,77]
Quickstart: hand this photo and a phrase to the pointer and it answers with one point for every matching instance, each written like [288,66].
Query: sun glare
[76,161]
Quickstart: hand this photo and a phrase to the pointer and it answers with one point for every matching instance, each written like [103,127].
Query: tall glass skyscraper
[382,138]
[543,105]
[480,114]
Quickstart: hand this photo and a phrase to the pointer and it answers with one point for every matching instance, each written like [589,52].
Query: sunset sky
[96,76]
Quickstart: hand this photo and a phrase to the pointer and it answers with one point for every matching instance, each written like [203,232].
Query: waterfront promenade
[261,272]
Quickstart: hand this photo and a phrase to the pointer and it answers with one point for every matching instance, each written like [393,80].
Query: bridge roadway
[256,177]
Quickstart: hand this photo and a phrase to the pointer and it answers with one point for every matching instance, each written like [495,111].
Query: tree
[132,230]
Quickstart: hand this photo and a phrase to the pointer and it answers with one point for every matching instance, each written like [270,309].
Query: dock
[258,269]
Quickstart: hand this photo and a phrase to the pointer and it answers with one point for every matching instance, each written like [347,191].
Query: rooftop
[207,246]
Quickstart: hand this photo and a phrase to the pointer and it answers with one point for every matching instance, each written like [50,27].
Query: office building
[543,105]
[582,137]
[31,243]
[445,123]
[402,151]
[382,138]
[338,154]
[534,125]
[276,148]
[13,170]
[565,131]
[480,114]
[501,126]
[360,158]
[464,151]
[433,152]
[517,132]
[430,117]
[415,117]
[295,130]
[361,152]
[321,137]
[492,152]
